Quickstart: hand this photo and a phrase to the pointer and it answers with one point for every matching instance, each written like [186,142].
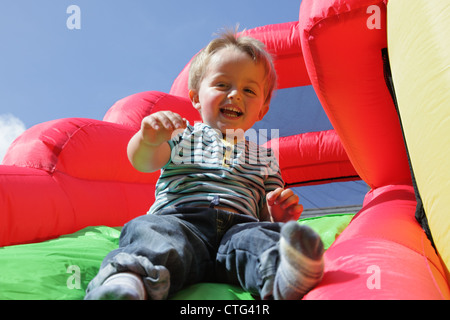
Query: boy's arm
[147,149]
[145,157]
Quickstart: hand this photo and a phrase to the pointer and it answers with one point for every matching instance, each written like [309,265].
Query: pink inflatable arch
[63,175]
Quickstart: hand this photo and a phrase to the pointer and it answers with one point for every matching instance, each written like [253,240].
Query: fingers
[282,197]
[160,126]
[273,196]
[296,211]
[283,205]
[164,120]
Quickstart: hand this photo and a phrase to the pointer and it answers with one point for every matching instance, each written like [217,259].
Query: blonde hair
[229,38]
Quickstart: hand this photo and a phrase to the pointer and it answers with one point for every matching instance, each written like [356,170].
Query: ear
[193,95]
[263,111]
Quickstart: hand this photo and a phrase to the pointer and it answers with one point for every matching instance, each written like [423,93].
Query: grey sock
[120,286]
[301,262]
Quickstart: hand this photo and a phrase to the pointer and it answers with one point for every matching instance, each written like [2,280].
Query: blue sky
[48,71]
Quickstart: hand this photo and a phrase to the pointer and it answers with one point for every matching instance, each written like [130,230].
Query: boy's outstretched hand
[158,127]
[283,205]
[146,150]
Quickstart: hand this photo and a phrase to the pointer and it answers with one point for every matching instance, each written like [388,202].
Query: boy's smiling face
[231,95]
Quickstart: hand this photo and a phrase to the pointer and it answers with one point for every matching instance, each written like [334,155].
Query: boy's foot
[301,265]
[120,286]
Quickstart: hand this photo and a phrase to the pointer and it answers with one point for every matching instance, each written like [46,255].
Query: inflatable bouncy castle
[380,70]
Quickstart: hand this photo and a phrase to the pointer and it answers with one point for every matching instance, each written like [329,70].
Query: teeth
[232,111]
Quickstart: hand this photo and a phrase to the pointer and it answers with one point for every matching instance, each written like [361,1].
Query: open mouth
[231,111]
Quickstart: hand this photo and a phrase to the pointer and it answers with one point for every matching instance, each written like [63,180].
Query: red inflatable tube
[130,110]
[344,61]
[63,175]
[314,158]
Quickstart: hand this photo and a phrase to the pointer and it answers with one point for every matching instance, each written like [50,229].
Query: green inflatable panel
[61,268]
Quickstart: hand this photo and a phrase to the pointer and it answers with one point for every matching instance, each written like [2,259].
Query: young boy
[218,195]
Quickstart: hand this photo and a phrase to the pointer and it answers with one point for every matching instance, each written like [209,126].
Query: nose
[234,94]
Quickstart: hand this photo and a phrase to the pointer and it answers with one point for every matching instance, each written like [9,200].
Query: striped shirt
[203,165]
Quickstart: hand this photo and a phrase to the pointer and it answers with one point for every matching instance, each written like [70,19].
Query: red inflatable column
[342,46]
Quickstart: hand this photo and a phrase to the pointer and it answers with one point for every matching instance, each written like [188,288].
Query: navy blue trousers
[198,245]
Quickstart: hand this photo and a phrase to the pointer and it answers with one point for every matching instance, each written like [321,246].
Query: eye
[251,91]
[221,85]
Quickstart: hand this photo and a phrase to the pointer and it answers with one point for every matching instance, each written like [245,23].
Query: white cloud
[10,128]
